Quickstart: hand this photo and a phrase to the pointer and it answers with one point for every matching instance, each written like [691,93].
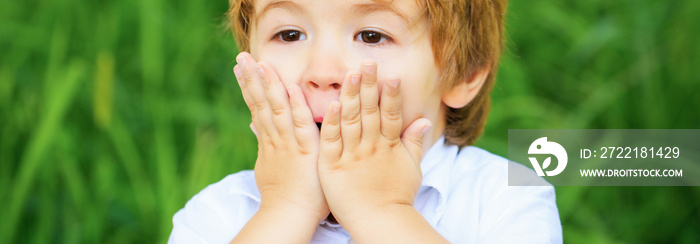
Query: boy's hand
[365,164]
[286,168]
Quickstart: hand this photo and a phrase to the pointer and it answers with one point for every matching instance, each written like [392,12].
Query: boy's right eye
[290,36]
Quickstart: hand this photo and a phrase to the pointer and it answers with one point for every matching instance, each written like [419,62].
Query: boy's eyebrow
[364,9]
[358,9]
[289,5]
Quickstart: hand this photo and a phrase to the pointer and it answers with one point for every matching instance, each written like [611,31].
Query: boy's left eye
[290,35]
[372,37]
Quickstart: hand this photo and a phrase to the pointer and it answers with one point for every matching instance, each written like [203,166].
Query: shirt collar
[437,165]
[329,224]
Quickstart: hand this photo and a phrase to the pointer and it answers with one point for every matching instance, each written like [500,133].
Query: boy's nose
[324,84]
[323,77]
[326,65]
[324,74]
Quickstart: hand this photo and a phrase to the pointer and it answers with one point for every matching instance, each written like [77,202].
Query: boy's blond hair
[466,36]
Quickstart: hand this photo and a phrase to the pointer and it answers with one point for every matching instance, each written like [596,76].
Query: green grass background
[114,113]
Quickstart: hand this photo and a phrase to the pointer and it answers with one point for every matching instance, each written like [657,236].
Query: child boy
[375,154]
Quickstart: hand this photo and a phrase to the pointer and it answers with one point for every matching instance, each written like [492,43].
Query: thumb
[412,137]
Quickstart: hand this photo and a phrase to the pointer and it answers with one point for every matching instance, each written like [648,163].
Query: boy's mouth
[319,125]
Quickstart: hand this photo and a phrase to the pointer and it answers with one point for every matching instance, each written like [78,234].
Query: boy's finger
[369,100]
[244,87]
[331,145]
[262,118]
[390,107]
[305,130]
[278,99]
[412,138]
[351,119]
[250,103]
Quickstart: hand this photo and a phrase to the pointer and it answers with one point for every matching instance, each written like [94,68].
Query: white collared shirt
[464,195]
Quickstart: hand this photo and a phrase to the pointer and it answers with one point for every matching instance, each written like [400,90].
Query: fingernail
[290,92]
[241,59]
[336,108]
[394,82]
[370,68]
[355,79]
[426,127]
[261,71]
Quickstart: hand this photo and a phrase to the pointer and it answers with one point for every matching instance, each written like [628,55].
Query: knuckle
[393,115]
[333,138]
[267,83]
[332,122]
[278,109]
[352,119]
[260,105]
[353,95]
[369,109]
[369,81]
[394,142]
[333,167]
[300,123]
[332,160]
[268,144]
[416,141]
[293,105]
[249,75]
[251,107]
[305,150]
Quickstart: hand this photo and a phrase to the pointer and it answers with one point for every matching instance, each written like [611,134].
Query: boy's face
[314,43]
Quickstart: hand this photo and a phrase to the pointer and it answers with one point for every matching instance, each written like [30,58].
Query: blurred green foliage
[114,113]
